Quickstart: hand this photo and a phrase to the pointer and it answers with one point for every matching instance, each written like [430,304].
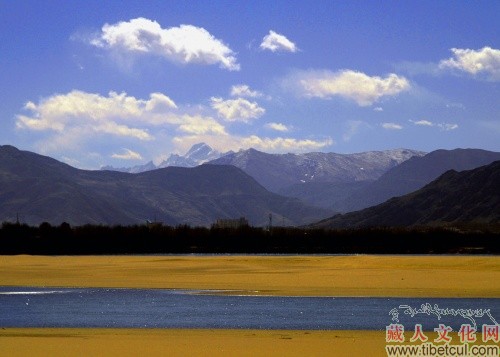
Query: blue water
[156,308]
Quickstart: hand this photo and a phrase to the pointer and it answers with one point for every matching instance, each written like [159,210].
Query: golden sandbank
[191,342]
[362,275]
[397,276]
[199,342]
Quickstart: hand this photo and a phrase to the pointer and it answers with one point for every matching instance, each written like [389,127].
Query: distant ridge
[471,196]
[277,172]
[197,155]
[415,173]
[39,189]
[132,170]
[324,180]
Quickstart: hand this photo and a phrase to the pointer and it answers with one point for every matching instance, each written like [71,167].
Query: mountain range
[39,188]
[471,196]
[198,154]
[277,172]
[326,180]
[404,178]
[414,174]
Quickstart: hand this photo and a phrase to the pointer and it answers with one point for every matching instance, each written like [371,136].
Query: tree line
[47,239]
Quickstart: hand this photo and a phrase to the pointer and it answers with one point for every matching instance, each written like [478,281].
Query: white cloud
[391,126]
[159,102]
[92,111]
[484,61]
[357,86]
[277,42]
[78,119]
[378,109]
[242,90]
[283,144]
[127,155]
[422,122]
[238,109]
[442,126]
[184,44]
[115,114]
[197,124]
[76,123]
[277,126]
[447,127]
[236,143]
[121,130]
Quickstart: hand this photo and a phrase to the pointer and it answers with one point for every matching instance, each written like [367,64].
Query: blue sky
[94,83]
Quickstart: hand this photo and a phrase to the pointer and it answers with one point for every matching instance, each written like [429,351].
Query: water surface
[159,308]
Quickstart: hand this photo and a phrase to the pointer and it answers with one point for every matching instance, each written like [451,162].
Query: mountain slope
[467,196]
[40,189]
[279,172]
[334,196]
[415,173]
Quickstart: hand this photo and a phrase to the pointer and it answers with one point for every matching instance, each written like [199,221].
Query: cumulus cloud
[484,61]
[127,155]
[116,114]
[391,126]
[184,44]
[80,119]
[238,109]
[283,144]
[158,102]
[242,90]
[442,126]
[112,114]
[236,143]
[200,125]
[357,86]
[378,109]
[122,130]
[277,126]
[76,123]
[276,42]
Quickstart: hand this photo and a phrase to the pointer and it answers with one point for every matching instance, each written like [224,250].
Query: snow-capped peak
[197,155]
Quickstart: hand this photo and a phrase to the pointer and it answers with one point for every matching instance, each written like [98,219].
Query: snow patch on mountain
[197,155]
[277,171]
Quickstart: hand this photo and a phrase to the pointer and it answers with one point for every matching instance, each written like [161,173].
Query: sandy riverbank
[417,276]
[185,342]
[398,276]
[135,342]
